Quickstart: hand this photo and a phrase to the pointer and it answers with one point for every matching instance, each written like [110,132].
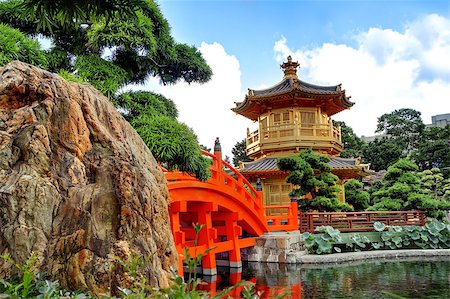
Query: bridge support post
[178,235]
[206,237]
[233,232]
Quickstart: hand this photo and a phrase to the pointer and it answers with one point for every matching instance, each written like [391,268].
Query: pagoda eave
[252,107]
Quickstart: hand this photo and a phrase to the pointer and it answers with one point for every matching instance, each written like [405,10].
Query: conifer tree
[312,176]
[402,190]
[355,195]
[109,44]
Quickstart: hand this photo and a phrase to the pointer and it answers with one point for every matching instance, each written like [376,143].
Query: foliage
[138,103]
[322,243]
[402,190]
[53,13]
[239,153]
[433,149]
[112,43]
[353,145]
[403,126]
[381,153]
[433,182]
[433,235]
[103,75]
[14,45]
[178,149]
[27,284]
[312,174]
[355,195]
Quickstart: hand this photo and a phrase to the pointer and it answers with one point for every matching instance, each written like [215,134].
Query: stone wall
[276,248]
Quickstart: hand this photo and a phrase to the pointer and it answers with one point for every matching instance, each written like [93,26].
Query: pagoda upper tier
[293,92]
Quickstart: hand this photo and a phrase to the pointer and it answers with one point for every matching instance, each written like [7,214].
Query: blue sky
[248,29]
[387,55]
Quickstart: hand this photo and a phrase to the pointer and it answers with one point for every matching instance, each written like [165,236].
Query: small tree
[356,196]
[312,174]
[239,153]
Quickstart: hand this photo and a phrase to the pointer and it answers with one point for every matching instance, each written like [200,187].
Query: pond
[411,278]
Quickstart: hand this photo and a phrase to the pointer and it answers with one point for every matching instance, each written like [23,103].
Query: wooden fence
[358,221]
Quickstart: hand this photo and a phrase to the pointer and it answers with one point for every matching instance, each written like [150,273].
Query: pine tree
[312,175]
[138,40]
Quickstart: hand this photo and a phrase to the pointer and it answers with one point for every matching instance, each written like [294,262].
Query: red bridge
[228,207]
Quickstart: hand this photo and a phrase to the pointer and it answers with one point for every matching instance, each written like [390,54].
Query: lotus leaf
[397,240]
[434,239]
[443,238]
[377,245]
[379,227]
[414,235]
[326,237]
[397,229]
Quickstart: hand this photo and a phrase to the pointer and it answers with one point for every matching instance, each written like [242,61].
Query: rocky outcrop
[78,187]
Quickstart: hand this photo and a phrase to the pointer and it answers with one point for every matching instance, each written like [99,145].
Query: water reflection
[402,278]
[410,278]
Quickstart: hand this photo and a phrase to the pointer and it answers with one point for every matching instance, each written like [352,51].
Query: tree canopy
[433,150]
[403,125]
[402,190]
[112,43]
[355,195]
[381,153]
[312,176]
[353,145]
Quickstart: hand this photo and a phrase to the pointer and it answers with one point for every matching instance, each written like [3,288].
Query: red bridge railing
[358,221]
[226,205]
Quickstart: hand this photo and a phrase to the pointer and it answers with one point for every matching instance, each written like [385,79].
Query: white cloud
[387,70]
[206,107]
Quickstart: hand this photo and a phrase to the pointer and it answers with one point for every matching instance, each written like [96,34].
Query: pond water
[411,278]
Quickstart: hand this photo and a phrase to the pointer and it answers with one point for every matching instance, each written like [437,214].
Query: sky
[386,54]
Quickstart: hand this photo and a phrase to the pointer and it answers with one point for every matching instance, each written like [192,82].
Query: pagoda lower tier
[276,190]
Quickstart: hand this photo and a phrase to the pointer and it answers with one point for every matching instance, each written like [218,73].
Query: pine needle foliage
[109,44]
[14,45]
[312,175]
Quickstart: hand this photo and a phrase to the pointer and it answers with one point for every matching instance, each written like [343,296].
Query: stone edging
[369,255]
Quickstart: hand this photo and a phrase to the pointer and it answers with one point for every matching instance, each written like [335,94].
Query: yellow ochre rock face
[78,187]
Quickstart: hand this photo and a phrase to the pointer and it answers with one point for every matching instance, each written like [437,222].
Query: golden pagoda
[293,115]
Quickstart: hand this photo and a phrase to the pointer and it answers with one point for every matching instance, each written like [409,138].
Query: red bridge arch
[228,207]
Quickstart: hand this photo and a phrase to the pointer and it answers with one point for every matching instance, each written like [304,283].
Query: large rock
[78,187]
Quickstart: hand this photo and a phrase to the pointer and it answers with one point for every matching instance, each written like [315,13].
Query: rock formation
[78,187]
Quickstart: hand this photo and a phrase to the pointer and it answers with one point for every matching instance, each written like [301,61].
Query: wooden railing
[358,221]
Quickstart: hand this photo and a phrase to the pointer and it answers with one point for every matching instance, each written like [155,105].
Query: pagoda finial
[290,67]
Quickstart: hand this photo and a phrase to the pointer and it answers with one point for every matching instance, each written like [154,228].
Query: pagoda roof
[288,84]
[290,92]
[269,165]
